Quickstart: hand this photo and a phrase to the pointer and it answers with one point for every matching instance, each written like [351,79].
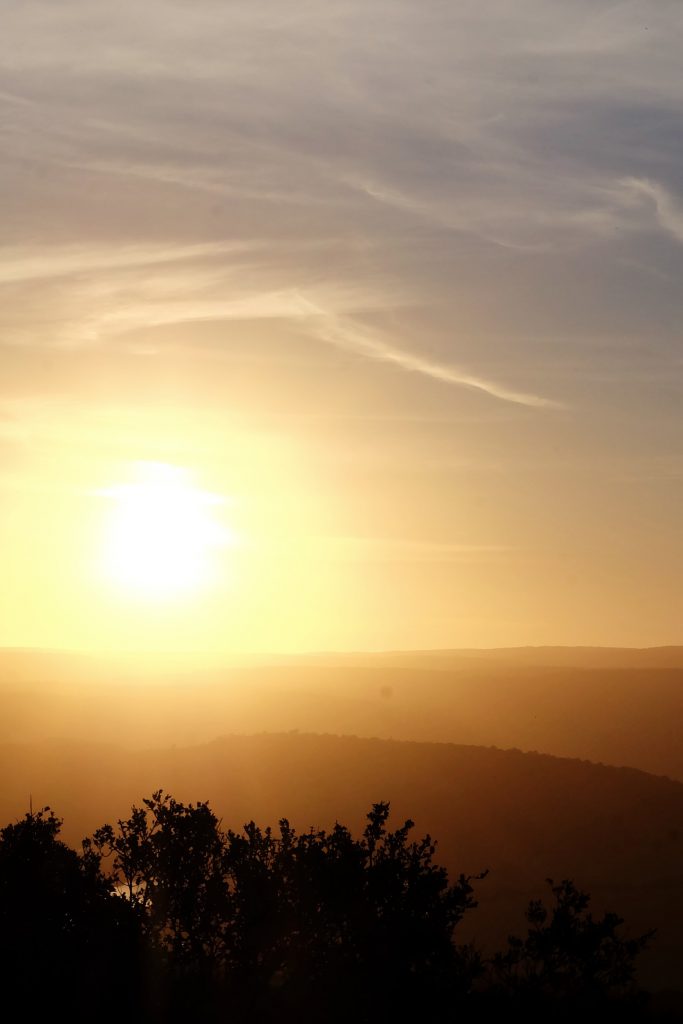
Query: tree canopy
[183,919]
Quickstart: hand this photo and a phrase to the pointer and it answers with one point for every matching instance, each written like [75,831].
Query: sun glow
[163,535]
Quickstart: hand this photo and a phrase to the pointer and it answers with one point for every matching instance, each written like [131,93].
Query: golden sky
[393,289]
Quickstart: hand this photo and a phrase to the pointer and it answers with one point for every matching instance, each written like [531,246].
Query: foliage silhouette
[170,859]
[275,919]
[194,922]
[569,959]
[365,926]
[62,932]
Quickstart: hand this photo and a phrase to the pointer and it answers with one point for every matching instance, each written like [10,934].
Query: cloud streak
[668,209]
[146,152]
[18,264]
[345,333]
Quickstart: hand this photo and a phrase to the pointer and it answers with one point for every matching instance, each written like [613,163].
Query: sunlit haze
[389,294]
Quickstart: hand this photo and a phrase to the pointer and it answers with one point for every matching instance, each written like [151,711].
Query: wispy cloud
[20,263]
[345,333]
[526,162]
[668,209]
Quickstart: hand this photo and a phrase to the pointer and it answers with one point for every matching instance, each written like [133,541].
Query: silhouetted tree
[170,860]
[193,922]
[361,927]
[569,960]
[356,925]
[63,936]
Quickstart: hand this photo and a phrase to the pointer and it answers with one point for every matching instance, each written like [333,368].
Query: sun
[163,534]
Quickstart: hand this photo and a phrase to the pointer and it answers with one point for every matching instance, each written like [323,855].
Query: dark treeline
[165,916]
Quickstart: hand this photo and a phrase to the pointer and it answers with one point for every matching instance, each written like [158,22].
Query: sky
[395,286]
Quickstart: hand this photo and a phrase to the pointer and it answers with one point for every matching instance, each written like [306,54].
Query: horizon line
[331,652]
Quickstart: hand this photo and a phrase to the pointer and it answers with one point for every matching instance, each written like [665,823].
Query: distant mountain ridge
[30,659]
[610,713]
